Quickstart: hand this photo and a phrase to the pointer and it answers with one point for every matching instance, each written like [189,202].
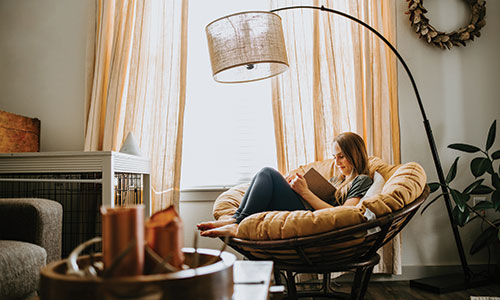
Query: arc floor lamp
[249,46]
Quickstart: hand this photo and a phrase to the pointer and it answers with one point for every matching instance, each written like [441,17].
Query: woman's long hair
[354,149]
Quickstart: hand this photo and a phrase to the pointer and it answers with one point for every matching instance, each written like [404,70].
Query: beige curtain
[341,78]
[136,71]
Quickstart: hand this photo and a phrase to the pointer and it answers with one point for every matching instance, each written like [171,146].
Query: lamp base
[449,283]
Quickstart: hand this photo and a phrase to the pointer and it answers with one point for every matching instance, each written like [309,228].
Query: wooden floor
[391,290]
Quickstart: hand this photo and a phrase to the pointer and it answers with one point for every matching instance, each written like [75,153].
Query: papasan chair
[334,239]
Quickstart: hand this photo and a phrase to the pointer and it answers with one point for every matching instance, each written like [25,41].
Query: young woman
[269,190]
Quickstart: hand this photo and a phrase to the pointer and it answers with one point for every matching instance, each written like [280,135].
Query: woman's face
[341,161]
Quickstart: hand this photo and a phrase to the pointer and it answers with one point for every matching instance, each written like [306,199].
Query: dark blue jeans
[268,191]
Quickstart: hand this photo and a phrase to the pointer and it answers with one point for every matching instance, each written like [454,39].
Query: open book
[319,185]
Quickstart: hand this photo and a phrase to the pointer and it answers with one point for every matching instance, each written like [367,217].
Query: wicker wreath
[445,40]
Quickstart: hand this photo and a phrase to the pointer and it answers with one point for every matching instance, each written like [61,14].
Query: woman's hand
[299,185]
[290,177]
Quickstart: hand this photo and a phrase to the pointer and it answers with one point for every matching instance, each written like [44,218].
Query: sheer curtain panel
[136,76]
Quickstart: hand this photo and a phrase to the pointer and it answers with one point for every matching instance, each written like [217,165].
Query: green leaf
[452,172]
[430,202]
[482,190]
[464,147]
[472,186]
[460,199]
[479,166]
[482,240]
[495,199]
[495,155]
[491,135]
[434,186]
[461,217]
[498,234]
[484,205]
[495,181]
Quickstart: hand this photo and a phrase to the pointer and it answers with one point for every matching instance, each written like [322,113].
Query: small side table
[252,279]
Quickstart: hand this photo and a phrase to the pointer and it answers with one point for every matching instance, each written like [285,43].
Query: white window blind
[228,128]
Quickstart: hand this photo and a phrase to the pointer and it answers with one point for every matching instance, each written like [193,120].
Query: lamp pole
[430,139]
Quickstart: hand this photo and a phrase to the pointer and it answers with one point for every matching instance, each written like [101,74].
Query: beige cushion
[228,202]
[276,225]
[403,184]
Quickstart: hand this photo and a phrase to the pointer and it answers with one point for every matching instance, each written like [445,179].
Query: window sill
[202,193]
[205,188]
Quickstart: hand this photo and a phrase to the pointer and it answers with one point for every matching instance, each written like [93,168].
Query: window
[228,128]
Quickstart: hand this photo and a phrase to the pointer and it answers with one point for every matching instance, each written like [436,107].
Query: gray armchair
[30,237]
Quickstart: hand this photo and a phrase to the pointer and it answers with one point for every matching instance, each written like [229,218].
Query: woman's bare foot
[226,230]
[215,224]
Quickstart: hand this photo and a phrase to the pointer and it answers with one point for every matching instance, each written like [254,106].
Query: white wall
[42,56]
[459,89]
[195,207]
[42,59]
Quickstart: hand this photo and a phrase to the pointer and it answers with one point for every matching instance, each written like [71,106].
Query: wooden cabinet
[19,133]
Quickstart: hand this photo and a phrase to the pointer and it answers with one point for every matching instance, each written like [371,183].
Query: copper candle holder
[164,236]
[123,240]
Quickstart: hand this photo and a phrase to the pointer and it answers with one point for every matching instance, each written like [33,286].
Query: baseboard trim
[417,272]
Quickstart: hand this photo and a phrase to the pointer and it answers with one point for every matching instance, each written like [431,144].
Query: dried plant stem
[161,263]
[109,271]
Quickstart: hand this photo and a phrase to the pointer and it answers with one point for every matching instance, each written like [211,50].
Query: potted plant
[485,169]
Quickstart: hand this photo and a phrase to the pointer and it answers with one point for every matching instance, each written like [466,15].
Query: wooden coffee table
[252,280]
